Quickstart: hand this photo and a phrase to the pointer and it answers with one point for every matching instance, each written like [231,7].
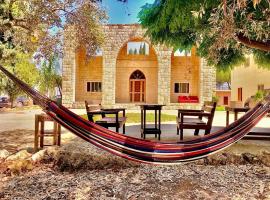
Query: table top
[151,106]
[237,109]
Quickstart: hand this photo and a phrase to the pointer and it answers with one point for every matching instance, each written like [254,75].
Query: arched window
[137,75]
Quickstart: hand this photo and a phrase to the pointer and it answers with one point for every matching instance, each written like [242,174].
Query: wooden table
[235,111]
[157,126]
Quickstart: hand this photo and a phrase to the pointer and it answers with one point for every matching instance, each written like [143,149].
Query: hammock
[146,151]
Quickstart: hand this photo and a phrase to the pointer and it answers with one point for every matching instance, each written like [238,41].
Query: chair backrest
[90,108]
[210,107]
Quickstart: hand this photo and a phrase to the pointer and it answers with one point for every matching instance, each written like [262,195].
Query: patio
[14,124]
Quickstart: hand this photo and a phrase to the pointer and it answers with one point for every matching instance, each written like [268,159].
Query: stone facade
[116,36]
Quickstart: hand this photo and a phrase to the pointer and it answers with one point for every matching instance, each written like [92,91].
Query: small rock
[39,156]
[250,158]
[4,154]
[265,158]
[21,155]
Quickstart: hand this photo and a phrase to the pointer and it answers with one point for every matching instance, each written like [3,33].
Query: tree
[223,31]
[130,52]
[135,51]
[144,49]
[39,25]
[141,50]
[25,69]
[224,76]
[50,77]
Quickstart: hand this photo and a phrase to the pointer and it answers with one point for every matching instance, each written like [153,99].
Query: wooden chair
[192,119]
[107,121]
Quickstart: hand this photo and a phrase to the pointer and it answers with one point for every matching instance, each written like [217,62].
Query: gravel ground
[80,171]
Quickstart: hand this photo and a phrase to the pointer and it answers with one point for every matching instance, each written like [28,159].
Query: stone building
[248,79]
[130,70]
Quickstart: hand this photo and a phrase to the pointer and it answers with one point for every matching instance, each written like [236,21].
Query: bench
[188,99]
[109,117]
[193,119]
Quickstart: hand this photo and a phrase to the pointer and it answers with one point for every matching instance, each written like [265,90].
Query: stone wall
[116,37]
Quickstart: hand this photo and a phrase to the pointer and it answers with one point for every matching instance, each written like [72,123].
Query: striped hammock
[146,151]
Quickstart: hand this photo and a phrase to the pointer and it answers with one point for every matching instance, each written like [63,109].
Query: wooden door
[240,94]
[225,100]
[137,90]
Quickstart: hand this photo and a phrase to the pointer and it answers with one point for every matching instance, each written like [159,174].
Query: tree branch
[264,46]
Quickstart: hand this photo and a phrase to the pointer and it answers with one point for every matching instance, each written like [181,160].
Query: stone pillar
[164,76]
[207,81]
[108,79]
[68,74]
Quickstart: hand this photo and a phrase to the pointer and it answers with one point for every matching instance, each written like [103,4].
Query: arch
[137,74]
[137,39]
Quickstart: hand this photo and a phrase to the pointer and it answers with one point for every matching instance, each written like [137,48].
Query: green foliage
[136,117]
[39,25]
[220,108]
[212,27]
[22,67]
[262,58]
[259,95]
[215,98]
[224,76]
[49,77]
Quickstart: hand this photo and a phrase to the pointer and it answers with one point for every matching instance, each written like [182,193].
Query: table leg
[55,133]
[144,122]
[155,122]
[59,134]
[235,115]
[141,123]
[227,117]
[159,119]
[42,134]
[36,134]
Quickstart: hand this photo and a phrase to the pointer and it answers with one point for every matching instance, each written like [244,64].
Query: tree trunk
[11,102]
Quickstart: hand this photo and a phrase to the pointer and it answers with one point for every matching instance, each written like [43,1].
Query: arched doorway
[137,87]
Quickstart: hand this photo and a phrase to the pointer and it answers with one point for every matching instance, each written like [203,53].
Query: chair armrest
[188,110]
[116,110]
[196,114]
[100,112]
[180,111]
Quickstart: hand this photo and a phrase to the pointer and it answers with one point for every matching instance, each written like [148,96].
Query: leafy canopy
[223,31]
[39,25]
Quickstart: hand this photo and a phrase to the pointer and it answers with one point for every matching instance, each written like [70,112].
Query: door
[225,100]
[137,87]
[240,94]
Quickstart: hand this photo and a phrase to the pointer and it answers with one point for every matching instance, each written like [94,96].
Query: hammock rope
[146,151]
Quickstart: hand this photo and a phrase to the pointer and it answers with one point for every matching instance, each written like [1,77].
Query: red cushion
[188,99]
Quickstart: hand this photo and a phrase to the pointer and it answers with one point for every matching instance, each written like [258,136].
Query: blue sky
[124,13]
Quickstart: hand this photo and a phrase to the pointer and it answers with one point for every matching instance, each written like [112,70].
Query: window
[181,87]
[137,48]
[180,52]
[94,87]
[261,87]
[98,52]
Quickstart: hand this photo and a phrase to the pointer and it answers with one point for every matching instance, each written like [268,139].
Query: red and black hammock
[146,151]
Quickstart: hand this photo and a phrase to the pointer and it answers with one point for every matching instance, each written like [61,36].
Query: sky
[124,13]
